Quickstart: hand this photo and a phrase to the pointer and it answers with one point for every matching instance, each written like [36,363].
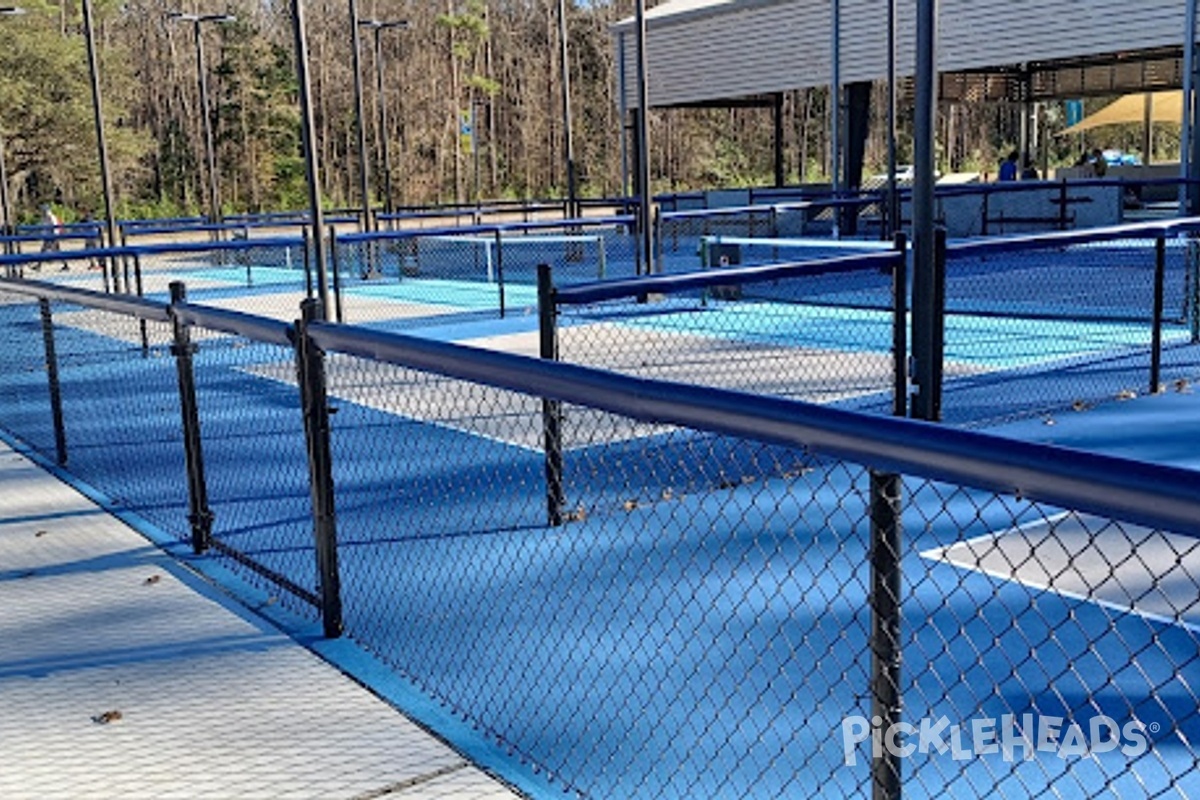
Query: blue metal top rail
[125,304]
[149,249]
[1158,496]
[1009,244]
[582,225]
[597,291]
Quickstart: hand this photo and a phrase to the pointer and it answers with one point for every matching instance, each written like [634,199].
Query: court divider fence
[892,607]
[750,328]
[1076,318]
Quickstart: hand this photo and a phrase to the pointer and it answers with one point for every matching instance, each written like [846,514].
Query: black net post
[309,288]
[1192,286]
[1063,202]
[655,239]
[886,653]
[551,409]
[1160,270]
[199,515]
[900,327]
[310,365]
[56,410]
[499,265]
[143,333]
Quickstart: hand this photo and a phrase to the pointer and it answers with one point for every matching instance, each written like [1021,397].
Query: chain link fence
[1059,323]
[641,588]
[824,330]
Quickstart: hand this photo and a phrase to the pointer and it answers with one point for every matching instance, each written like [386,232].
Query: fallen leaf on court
[107,717]
[1126,394]
[1182,386]
[630,505]
[152,580]
[1080,405]
[41,533]
[667,494]
[578,515]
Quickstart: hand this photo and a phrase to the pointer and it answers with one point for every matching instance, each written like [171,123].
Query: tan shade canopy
[1131,109]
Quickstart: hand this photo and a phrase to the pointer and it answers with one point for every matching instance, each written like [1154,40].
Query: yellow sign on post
[466,130]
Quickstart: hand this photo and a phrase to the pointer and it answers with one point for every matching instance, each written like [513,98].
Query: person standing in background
[52,227]
[1008,168]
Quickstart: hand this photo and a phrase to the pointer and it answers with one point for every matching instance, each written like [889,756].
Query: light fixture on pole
[378,27]
[197,21]
[110,220]
[6,224]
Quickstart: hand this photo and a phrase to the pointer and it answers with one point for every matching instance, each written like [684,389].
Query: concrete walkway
[123,675]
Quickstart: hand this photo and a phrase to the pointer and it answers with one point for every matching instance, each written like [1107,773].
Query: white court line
[425,402]
[1061,553]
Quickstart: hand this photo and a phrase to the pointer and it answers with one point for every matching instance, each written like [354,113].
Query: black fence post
[929,335]
[310,366]
[336,268]
[551,409]
[886,651]
[199,514]
[900,327]
[56,411]
[1160,269]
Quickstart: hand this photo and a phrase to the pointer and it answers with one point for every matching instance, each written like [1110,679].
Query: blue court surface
[699,629]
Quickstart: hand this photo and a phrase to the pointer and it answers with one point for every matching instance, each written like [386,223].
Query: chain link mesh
[1050,329]
[704,620]
[820,337]
[255,461]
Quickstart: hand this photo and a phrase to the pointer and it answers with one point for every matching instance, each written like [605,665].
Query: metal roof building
[701,51]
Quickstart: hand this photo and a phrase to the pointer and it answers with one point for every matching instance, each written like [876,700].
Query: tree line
[497,57]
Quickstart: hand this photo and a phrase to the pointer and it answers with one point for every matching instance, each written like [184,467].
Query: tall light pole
[643,147]
[568,143]
[835,103]
[210,155]
[312,170]
[5,205]
[1186,168]
[364,167]
[110,220]
[893,201]
[378,27]
[927,282]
